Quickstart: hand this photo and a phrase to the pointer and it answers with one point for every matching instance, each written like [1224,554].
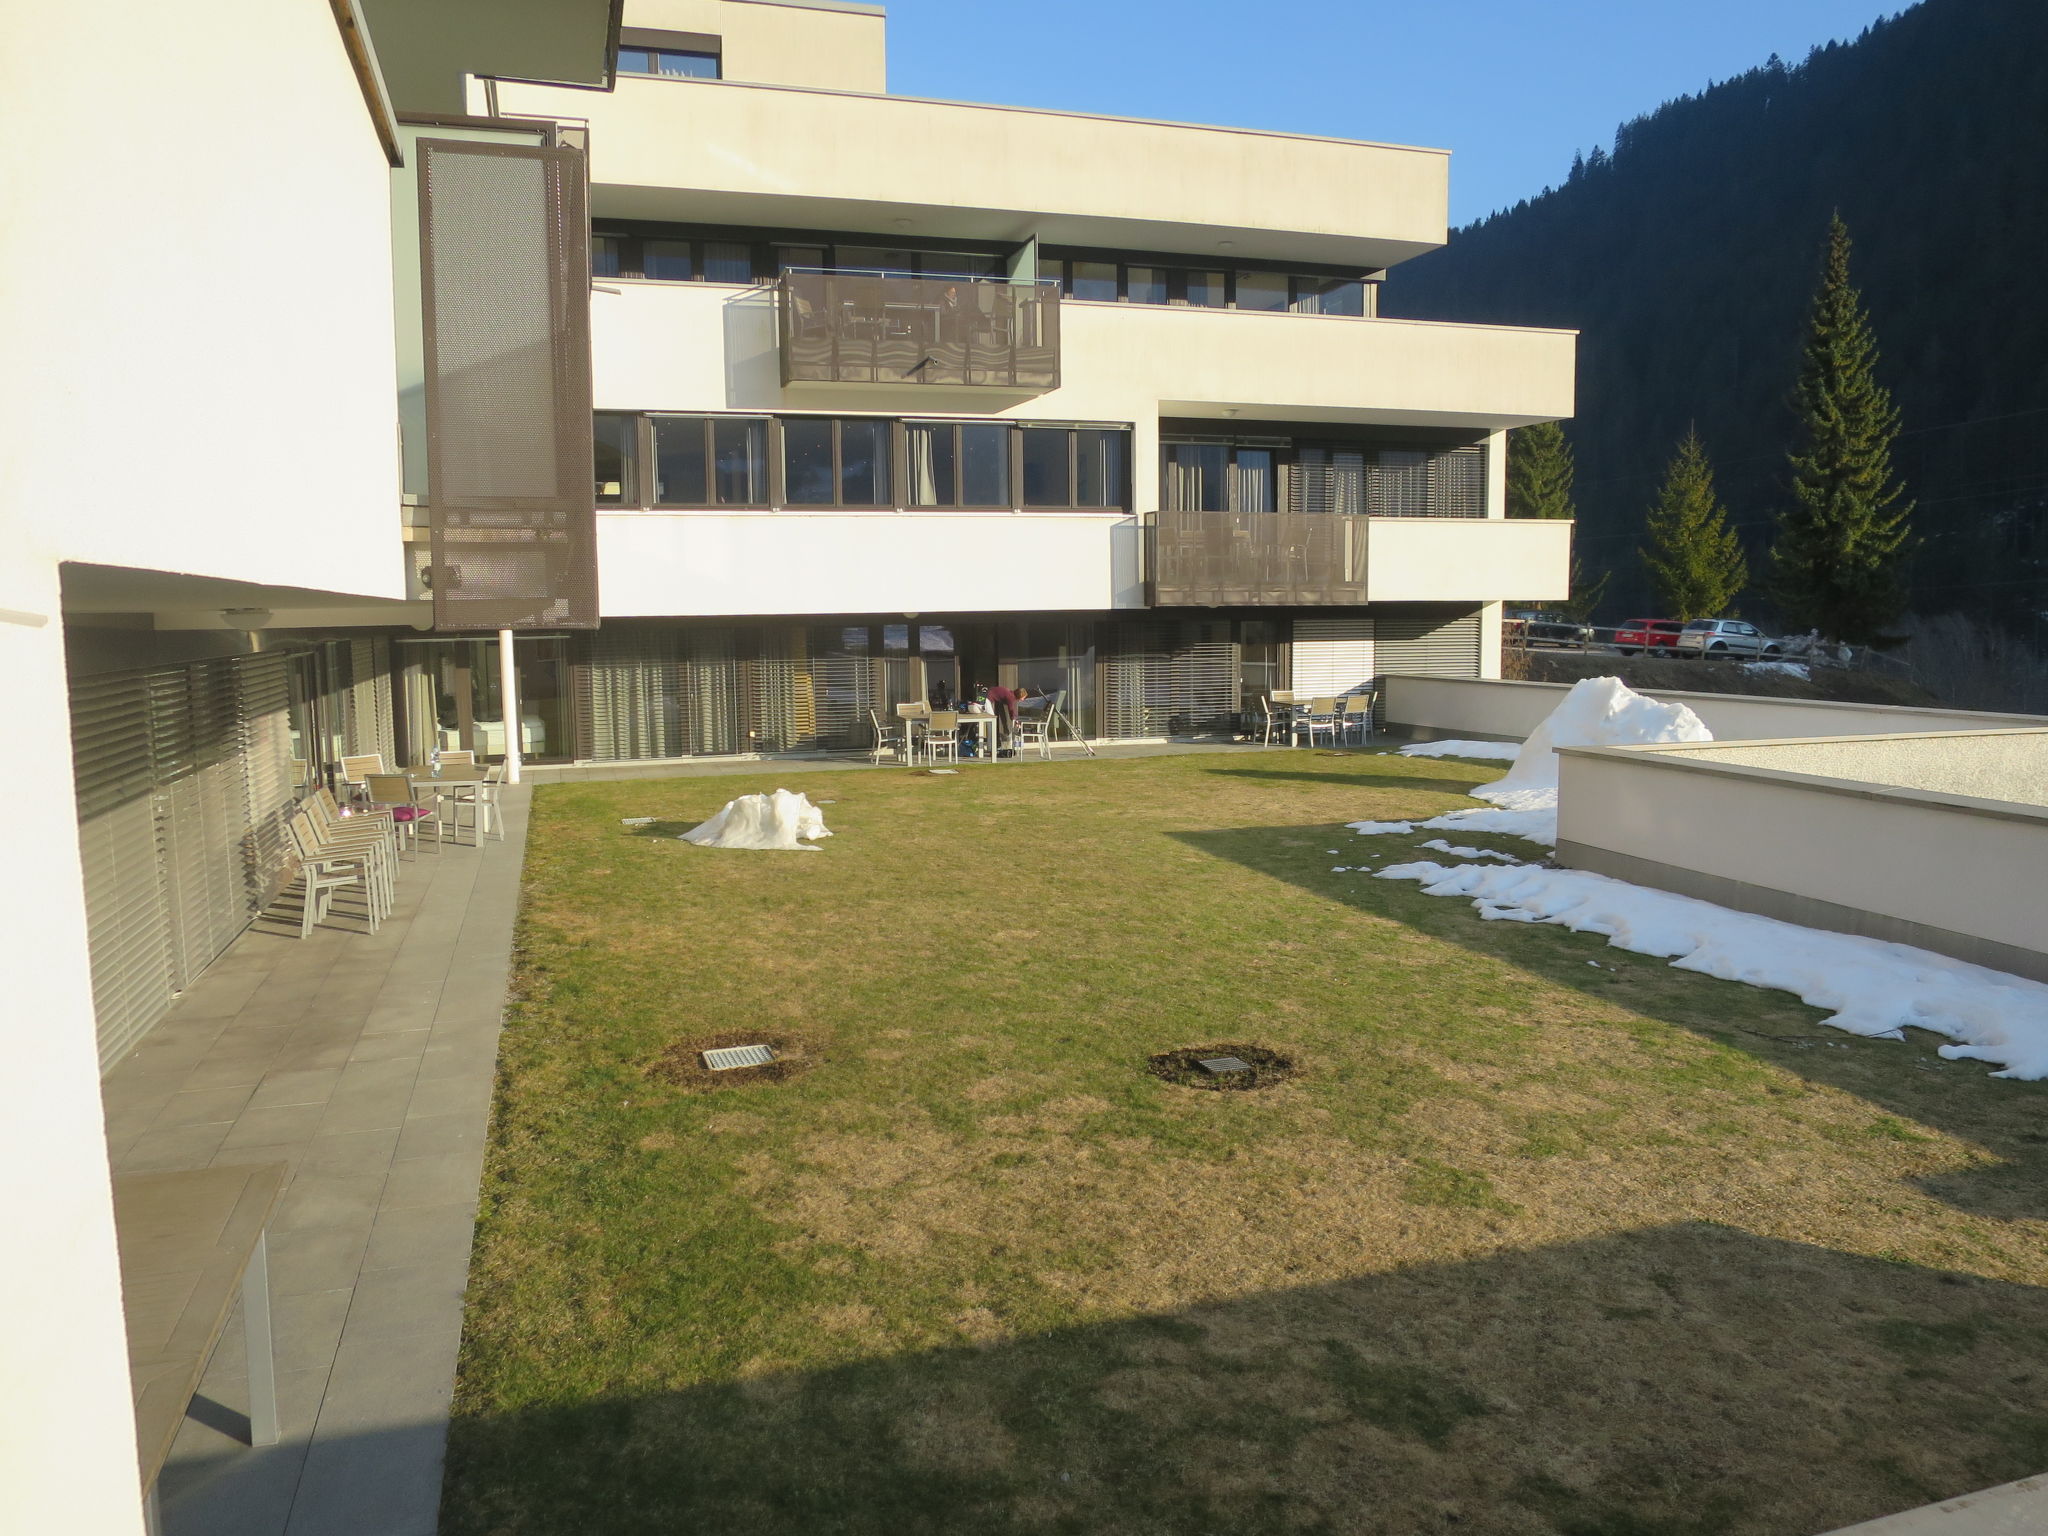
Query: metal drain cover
[1218,1065]
[727,1057]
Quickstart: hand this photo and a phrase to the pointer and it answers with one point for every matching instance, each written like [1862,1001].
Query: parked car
[1725,638]
[1532,627]
[1658,635]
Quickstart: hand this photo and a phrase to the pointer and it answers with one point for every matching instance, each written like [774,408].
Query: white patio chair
[1321,716]
[889,742]
[1357,717]
[942,736]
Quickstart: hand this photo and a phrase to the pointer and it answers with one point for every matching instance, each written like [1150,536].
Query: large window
[830,461]
[958,464]
[669,63]
[710,461]
[1349,479]
[672,253]
[1101,280]
[704,461]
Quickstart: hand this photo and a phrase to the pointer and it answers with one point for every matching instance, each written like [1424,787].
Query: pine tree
[1694,558]
[1586,595]
[1539,472]
[1835,564]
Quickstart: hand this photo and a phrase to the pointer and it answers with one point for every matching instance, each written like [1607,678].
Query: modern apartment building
[668,358]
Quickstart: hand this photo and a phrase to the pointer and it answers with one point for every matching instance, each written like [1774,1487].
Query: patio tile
[397,1045]
[206,1106]
[434,1135]
[280,1126]
[430,1234]
[452,1178]
[236,1071]
[190,1146]
[472,1056]
[387,1481]
[369,1107]
[449,1096]
[286,1088]
[329,1200]
[350,1152]
[316,1259]
[408,1299]
[376,1386]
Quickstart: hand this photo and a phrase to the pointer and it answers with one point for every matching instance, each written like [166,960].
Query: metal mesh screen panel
[505,271]
[1170,679]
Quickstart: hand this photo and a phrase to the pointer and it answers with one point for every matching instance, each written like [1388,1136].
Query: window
[1075,466]
[1094,280]
[1206,290]
[669,63]
[1219,477]
[1145,285]
[672,261]
[727,261]
[613,440]
[706,461]
[604,255]
[831,461]
[958,464]
[1329,296]
[1262,290]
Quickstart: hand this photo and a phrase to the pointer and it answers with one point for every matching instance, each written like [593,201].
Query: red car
[1659,635]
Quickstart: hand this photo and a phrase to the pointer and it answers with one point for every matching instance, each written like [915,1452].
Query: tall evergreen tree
[1694,558]
[1835,565]
[1539,472]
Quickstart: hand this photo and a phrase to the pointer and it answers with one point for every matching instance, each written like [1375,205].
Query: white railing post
[508,693]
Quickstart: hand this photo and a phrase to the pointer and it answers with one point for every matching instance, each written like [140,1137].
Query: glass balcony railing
[854,327]
[1225,559]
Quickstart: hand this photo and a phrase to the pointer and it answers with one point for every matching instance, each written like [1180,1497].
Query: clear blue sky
[1511,88]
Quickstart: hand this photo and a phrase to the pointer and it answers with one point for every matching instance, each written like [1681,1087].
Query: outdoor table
[189,1242]
[985,731]
[461,776]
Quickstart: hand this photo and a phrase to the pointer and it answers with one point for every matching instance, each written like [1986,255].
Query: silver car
[1724,638]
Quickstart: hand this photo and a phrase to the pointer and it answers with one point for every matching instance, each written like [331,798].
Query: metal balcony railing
[854,327]
[1226,559]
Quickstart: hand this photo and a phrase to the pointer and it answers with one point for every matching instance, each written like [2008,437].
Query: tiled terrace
[365,1063]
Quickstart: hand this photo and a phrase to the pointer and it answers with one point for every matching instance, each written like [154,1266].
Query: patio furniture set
[356,840]
[926,735]
[1335,719]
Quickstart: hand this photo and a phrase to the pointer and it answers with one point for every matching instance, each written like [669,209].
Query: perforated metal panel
[504,240]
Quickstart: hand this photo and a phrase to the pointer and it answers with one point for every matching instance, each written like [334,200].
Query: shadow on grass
[2008,1118]
[1351,780]
[1687,1380]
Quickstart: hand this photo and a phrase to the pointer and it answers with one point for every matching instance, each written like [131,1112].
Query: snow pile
[1502,751]
[1457,852]
[1870,987]
[1598,712]
[1797,669]
[780,822]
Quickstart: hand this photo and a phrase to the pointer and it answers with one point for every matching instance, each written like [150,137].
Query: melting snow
[1469,853]
[781,822]
[1503,751]
[1870,987]
[1796,669]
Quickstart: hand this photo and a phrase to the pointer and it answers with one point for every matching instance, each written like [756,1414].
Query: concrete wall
[195,288]
[1444,559]
[677,563]
[724,151]
[1509,711]
[2010,766]
[1955,875]
[834,46]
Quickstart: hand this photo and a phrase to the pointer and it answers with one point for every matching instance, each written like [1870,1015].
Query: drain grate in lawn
[1229,1068]
[695,1064]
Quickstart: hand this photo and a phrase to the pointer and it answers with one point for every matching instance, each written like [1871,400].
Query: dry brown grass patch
[682,1064]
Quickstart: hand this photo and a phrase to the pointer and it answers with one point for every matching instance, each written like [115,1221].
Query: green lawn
[1523,1246]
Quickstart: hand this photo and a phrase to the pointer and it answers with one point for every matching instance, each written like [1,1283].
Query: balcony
[842,327]
[1244,559]
[1226,559]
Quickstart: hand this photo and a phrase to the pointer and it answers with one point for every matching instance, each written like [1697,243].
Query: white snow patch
[1796,669]
[1469,853]
[781,822]
[1870,987]
[1379,828]
[1501,751]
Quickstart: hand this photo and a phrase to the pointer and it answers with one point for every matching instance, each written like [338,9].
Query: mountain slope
[1688,255]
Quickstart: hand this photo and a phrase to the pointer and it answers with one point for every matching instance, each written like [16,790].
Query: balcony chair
[354,769]
[1032,731]
[1322,716]
[370,833]
[394,792]
[321,872]
[1276,719]
[889,742]
[942,736]
[913,715]
[1357,716]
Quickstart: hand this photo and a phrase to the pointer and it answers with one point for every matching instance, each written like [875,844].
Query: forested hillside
[1687,255]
